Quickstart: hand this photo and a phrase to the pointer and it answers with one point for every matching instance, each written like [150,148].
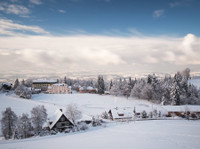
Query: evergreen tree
[8,123]
[101,86]
[16,84]
[175,91]
[111,85]
[65,80]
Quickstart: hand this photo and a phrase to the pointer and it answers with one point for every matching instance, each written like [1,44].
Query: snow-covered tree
[147,92]
[8,123]
[38,118]
[73,113]
[24,127]
[23,92]
[111,85]
[16,84]
[137,89]
[175,91]
[101,85]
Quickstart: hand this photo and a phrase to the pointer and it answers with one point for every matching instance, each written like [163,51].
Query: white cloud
[62,11]
[8,27]
[16,9]
[158,13]
[36,2]
[174,4]
[84,52]
[135,32]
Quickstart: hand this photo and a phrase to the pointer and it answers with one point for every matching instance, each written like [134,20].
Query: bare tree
[8,123]
[38,117]
[23,127]
[73,113]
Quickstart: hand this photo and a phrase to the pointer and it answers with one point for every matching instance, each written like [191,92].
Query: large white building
[59,88]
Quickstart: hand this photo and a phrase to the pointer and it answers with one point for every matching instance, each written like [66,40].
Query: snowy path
[177,134]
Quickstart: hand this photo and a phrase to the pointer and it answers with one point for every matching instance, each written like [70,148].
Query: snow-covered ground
[163,134]
[174,134]
[93,104]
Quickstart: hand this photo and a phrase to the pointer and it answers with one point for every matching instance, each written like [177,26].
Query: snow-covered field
[93,104]
[174,134]
[179,134]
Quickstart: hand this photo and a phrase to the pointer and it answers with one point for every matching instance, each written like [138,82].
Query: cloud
[158,13]
[62,11]
[36,2]
[91,52]
[135,32]
[9,28]
[180,3]
[15,9]
[174,4]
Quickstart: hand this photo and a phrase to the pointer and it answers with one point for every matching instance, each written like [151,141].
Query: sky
[116,36]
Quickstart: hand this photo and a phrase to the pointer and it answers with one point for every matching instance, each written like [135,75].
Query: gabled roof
[56,116]
[183,108]
[120,113]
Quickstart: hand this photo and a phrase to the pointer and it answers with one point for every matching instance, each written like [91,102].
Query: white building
[59,88]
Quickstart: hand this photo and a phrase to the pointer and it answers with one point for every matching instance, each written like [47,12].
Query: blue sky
[99,35]
[109,17]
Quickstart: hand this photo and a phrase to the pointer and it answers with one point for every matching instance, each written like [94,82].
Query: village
[59,122]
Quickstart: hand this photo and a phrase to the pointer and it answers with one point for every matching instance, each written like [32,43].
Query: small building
[88,89]
[59,88]
[121,114]
[43,84]
[5,87]
[107,92]
[59,122]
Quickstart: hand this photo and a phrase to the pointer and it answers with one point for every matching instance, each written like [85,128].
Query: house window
[58,125]
[67,124]
[62,119]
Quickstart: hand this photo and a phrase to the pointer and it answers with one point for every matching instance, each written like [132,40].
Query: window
[58,125]
[62,119]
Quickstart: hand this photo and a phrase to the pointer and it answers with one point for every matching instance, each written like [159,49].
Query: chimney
[61,110]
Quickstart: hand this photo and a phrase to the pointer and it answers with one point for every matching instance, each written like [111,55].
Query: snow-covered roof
[60,84]
[56,116]
[44,81]
[192,108]
[106,92]
[90,88]
[120,113]
[8,84]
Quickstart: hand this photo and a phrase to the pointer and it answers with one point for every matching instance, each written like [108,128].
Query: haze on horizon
[48,36]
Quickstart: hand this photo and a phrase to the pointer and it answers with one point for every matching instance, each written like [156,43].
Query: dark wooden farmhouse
[59,122]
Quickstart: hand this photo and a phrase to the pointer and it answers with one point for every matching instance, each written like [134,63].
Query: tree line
[167,91]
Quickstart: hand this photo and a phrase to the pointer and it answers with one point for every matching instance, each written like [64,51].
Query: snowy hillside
[178,134]
[93,104]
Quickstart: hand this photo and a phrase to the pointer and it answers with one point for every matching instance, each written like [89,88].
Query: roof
[56,116]
[60,84]
[119,113]
[192,108]
[44,81]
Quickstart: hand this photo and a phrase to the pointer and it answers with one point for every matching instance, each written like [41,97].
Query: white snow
[165,134]
[174,134]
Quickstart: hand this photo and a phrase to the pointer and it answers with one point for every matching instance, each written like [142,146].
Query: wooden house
[59,122]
